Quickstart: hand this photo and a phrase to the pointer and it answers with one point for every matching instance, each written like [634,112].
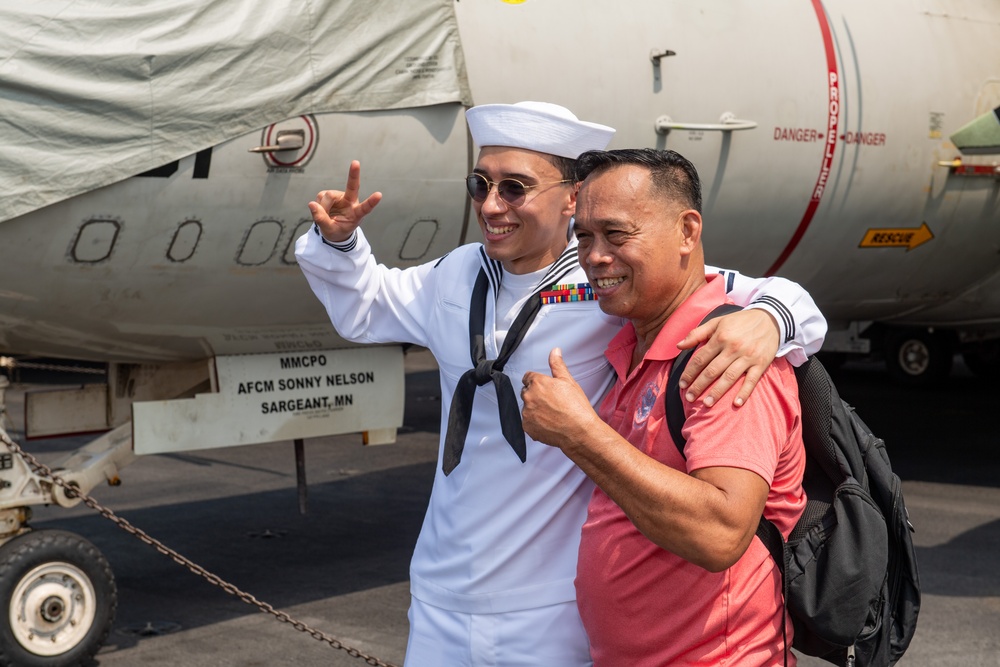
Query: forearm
[366,302]
[688,516]
[801,325]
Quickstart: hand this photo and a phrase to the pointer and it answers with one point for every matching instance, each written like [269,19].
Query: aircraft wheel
[983,359]
[59,596]
[918,357]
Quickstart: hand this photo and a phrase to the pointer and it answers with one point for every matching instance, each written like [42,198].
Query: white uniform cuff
[344,246]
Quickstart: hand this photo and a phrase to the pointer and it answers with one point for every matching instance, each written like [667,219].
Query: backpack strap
[766,531]
[675,408]
[769,534]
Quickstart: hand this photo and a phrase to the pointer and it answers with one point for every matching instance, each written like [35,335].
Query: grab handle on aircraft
[727,123]
[288,140]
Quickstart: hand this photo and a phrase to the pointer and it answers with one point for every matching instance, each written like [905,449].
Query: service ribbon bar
[568,293]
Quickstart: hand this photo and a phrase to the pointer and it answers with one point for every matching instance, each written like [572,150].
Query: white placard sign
[274,397]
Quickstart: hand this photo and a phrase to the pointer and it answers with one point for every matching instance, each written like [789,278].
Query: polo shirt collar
[680,323]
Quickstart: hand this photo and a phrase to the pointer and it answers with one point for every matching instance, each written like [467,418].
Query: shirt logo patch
[646,403]
[567,293]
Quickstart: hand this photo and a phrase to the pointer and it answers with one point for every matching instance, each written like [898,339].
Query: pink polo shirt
[645,606]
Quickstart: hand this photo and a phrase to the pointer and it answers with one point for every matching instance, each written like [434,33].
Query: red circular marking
[306,153]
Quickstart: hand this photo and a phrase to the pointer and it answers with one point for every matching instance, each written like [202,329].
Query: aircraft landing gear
[57,600]
[919,357]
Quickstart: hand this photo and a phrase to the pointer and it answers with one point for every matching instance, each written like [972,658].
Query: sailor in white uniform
[492,573]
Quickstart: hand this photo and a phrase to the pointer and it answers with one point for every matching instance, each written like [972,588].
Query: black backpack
[849,570]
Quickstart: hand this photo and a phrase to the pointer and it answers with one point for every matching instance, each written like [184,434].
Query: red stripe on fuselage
[833,121]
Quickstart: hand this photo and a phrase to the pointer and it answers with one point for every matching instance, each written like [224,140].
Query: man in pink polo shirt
[669,571]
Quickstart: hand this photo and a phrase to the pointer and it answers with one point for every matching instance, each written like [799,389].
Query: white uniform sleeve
[801,326]
[367,302]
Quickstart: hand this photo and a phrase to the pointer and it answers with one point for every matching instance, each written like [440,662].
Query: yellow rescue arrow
[906,237]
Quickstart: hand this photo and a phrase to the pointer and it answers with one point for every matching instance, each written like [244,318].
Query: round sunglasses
[511,191]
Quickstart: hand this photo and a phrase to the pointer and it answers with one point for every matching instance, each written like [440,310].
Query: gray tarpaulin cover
[95,91]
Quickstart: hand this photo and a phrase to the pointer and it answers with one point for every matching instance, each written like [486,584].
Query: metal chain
[71,491]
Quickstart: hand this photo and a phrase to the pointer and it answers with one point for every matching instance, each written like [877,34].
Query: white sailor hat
[537,126]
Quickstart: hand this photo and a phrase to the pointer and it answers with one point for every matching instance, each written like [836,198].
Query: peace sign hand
[338,213]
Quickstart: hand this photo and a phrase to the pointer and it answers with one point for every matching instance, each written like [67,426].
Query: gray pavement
[342,567]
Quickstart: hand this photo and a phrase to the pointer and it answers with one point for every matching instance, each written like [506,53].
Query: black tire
[919,357]
[57,600]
